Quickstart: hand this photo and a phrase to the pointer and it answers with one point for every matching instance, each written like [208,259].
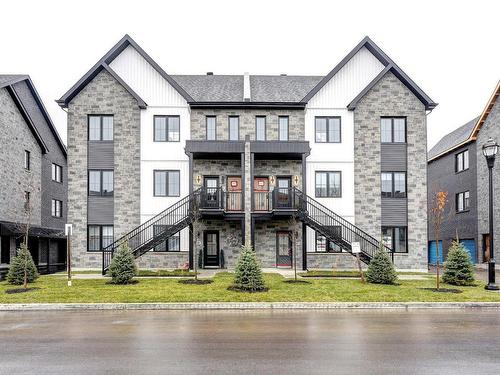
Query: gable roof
[389,65]
[212,88]
[8,81]
[452,140]
[489,106]
[104,62]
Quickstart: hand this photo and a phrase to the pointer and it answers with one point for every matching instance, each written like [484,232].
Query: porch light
[198,179]
[272,180]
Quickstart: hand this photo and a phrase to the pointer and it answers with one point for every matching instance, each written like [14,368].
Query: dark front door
[283,249]
[211,248]
[283,189]
[5,248]
[211,192]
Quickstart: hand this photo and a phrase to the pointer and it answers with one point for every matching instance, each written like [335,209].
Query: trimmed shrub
[122,268]
[381,270]
[22,262]
[248,274]
[458,268]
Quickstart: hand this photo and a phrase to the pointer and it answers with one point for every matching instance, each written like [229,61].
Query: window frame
[165,243]
[393,184]
[327,184]
[27,160]
[54,205]
[265,127]
[393,235]
[460,197]
[462,154]
[101,227]
[206,127]
[101,117]
[167,129]
[328,250]
[327,118]
[167,171]
[392,118]
[56,168]
[287,128]
[229,128]
[101,191]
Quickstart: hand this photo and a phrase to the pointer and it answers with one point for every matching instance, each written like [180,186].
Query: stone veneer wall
[247,123]
[490,128]
[15,138]
[279,168]
[103,95]
[390,97]
[221,168]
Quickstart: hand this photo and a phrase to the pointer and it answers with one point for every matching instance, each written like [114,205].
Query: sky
[449,48]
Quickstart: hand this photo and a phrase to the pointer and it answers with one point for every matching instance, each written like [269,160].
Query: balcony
[279,200]
[218,200]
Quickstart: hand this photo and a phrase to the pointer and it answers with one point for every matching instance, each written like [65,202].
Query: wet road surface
[251,342]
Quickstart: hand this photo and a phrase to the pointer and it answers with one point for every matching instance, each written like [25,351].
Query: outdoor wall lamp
[272,180]
[198,179]
[490,150]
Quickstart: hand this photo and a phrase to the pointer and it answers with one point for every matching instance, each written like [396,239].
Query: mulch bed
[443,290]
[331,276]
[235,289]
[196,282]
[129,283]
[293,281]
[20,290]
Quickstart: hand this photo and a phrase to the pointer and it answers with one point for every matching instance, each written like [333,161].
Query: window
[283,128]
[260,128]
[324,246]
[100,128]
[166,129]
[171,244]
[56,173]
[99,237]
[393,130]
[327,129]
[27,160]
[234,128]
[395,238]
[101,183]
[328,184]
[211,128]
[462,161]
[166,183]
[462,201]
[56,208]
[393,184]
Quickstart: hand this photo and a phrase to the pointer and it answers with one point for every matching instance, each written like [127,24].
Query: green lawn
[54,289]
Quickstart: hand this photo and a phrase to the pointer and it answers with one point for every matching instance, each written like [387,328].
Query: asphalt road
[251,342]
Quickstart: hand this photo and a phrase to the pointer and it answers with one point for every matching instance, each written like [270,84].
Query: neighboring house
[456,165]
[33,174]
[288,164]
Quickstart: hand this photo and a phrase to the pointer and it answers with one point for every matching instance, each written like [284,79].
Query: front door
[283,249]
[283,185]
[261,193]
[211,248]
[211,185]
[234,193]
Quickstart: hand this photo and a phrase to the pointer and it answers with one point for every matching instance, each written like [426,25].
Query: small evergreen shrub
[122,268]
[381,270]
[248,274]
[458,268]
[21,262]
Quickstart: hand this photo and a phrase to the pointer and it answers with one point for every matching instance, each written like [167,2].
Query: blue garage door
[432,252]
[470,246]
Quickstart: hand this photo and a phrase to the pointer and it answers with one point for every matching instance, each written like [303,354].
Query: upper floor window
[234,128]
[462,201]
[260,128]
[328,184]
[56,173]
[27,160]
[327,129]
[166,183]
[393,184]
[56,208]
[99,237]
[211,128]
[395,238]
[393,130]
[101,182]
[283,128]
[166,129]
[100,128]
[462,161]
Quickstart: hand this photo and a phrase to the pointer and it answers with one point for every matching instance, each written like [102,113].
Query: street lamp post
[490,149]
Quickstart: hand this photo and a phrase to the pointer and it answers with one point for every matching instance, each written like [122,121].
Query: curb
[248,306]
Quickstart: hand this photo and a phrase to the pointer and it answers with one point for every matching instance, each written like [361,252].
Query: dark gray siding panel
[100,155]
[100,210]
[394,212]
[393,157]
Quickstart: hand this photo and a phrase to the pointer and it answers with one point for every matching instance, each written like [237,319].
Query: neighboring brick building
[300,165]
[456,165]
[32,169]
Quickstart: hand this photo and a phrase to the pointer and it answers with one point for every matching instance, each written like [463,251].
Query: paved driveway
[251,342]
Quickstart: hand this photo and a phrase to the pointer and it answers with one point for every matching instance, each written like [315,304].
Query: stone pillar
[248,192]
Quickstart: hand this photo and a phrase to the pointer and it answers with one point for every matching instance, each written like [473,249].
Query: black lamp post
[490,149]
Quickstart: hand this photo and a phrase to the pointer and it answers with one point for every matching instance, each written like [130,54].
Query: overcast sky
[449,48]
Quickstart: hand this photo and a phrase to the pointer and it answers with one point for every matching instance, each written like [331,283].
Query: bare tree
[197,227]
[439,201]
[294,235]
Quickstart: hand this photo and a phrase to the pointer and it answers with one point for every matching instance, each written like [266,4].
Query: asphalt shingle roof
[281,88]
[212,88]
[452,139]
